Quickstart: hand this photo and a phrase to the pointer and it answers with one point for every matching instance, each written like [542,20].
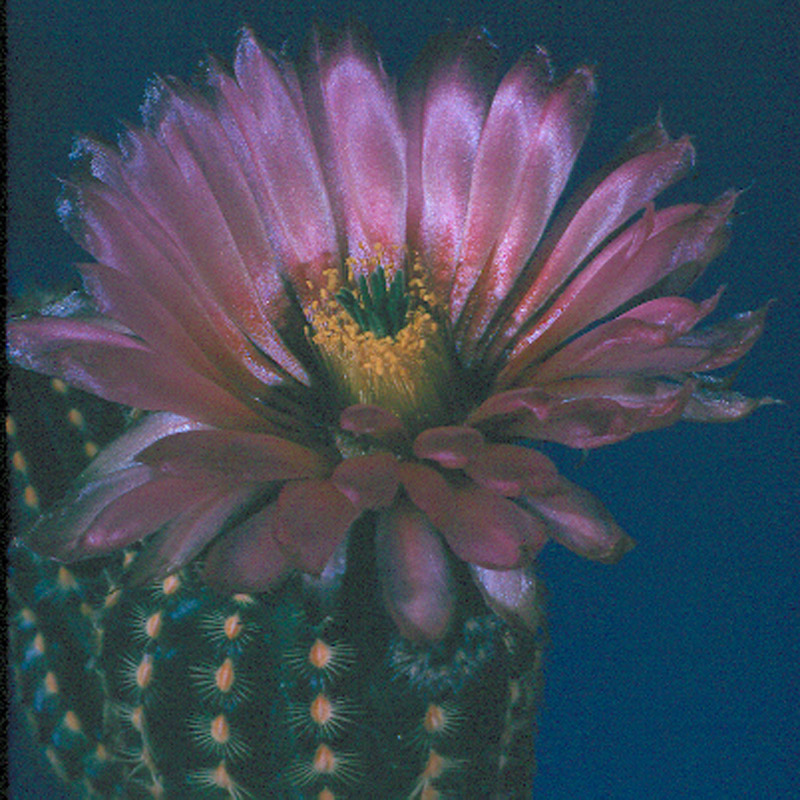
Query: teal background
[674,673]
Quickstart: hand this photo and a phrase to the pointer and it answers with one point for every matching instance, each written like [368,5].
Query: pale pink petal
[355,118]
[451,446]
[707,405]
[113,365]
[247,558]
[511,470]
[551,148]
[444,107]
[414,574]
[265,119]
[188,534]
[514,594]
[369,481]
[650,249]
[314,518]
[580,522]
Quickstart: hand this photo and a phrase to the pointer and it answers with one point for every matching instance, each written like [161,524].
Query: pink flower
[342,304]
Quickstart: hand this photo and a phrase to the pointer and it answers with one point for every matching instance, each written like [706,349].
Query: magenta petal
[314,517]
[444,112]
[512,593]
[706,405]
[580,522]
[511,471]
[414,574]
[234,456]
[491,531]
[429,491]
[368,481]
[59,532]
[354,113]
[93,357]
[188,534]
[248,558]
[371,420]
[142,511]
[450,446]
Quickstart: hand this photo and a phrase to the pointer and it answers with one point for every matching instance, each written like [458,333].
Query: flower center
[381,342]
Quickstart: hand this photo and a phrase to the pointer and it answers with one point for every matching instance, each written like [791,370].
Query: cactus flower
[337,300]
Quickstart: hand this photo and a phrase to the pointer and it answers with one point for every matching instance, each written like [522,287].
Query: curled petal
[370,420]
[514,594]
[491,531]
[706,405]
[368,481]
[414,574]
[576,519]
[511,471]
[248,558]
[236,456]
[451,446]
[188,534]
[314,518]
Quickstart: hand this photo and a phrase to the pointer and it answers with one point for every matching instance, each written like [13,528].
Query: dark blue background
[673,674]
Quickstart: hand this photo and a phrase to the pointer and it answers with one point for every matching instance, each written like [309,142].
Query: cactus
[170,691]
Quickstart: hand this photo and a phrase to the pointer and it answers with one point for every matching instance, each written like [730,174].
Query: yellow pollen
[409,373]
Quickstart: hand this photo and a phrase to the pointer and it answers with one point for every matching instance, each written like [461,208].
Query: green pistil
[376,306]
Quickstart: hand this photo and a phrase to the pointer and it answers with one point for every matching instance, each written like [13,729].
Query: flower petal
[706,405]
[514,594]
[429,491]
[414,574]
[314,517]
[369,481]
[356,122]
[511,470]
[188,534]
[580,522]
[370,420]
[451,446]
[233,455]
[115,366]
[248,558]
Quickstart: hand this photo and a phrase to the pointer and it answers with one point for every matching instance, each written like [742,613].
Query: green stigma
[377,305]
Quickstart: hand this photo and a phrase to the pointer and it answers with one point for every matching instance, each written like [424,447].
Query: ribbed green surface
[169,690]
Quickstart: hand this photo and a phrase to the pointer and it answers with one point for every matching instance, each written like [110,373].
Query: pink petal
[356,122]
[429,491]
[444,111]
[370,420]
[314,517]
[450,446]
[233,456]
[490,531]
[115,366]
[188,534]
[368,481]
[414,574]
[580,522]
[514,594]
[707,405]
[140,512]
[248,558]
[511,471]
[265,119]
[551,148]
[650,249]
[586,412]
